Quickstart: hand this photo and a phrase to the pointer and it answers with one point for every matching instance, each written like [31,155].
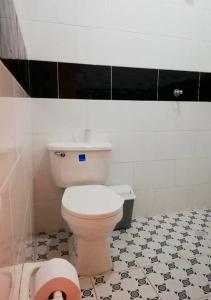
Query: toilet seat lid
[91,201]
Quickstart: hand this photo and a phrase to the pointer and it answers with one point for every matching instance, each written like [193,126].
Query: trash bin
[127,193]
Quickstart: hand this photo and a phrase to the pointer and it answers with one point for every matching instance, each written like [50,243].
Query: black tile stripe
[80,81]
[134,83]
[20,70]
[186,82]
[205,87]
[43,79]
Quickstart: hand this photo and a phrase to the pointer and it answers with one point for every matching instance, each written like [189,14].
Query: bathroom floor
[163,257]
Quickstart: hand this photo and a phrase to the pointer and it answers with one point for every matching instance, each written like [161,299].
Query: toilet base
[92,257]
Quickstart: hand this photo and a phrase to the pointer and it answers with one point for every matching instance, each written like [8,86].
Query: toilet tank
[79,163]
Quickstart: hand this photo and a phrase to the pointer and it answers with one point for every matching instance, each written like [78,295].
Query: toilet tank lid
[79,146]
[91,201]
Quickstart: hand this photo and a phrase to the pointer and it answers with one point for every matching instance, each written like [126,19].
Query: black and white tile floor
[165,257]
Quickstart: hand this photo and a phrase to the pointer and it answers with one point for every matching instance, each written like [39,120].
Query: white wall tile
[43,10]
[23,126]
[7,236]
[144,204]
[129,147]
[15,185]
[205,4]
[203,143]
[75,44]
[194,116]
[67,43]
[58,115]
[55,220]
[99,112]
[132,116]
[174,199]
[193,171]
[202,196]
[154,174]
[44,186]
[121,173]
[8,150]
[171,145]
[147,16]
[84,13]
[152,17]
[163,115]
[19,202]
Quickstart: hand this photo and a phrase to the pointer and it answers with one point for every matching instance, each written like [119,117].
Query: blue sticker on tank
[82,157]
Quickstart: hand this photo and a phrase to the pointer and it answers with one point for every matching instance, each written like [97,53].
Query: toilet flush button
[82,157]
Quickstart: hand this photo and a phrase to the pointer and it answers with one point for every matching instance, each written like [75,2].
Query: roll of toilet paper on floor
[56,275]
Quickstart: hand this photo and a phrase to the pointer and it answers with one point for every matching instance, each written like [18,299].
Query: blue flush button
[82,157]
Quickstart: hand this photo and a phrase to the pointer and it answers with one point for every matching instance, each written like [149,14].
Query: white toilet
[90,209]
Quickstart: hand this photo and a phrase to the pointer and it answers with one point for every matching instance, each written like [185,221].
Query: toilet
[90,209]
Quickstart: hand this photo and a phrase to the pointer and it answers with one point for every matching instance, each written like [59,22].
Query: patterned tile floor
[165,257]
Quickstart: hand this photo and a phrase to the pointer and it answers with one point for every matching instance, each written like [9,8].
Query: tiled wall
[151,34]
[161,148]
[82,81]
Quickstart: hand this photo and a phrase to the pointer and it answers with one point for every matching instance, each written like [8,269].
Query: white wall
[171,34]
[162,149]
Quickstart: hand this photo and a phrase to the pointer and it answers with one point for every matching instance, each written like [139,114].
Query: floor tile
[174,250]
[131,284]
[202,265]
[48,246]
[176,280]
[122,259]
[87,290]
[29,251]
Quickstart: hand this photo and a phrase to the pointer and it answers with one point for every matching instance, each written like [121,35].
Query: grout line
[93,286]
[199,85]
[152,285]
[158,78]
[102,28]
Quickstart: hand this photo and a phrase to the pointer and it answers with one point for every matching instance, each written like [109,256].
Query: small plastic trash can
[129,196]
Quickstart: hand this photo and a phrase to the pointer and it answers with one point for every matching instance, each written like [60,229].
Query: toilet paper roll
[56,275]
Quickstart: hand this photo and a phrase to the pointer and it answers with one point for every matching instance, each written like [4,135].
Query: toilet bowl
[91,212]
[90,209]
